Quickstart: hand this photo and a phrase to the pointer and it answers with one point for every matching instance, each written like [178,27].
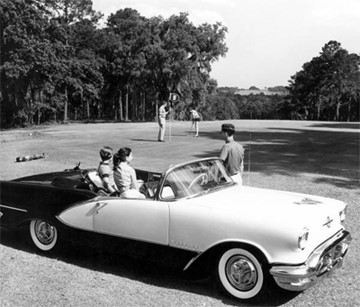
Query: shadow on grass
[144,140]
[295,151]
[140,270]
[338,125]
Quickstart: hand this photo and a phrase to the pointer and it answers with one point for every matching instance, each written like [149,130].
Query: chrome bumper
[321,263]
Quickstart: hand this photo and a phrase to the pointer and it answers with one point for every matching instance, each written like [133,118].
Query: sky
[268,40]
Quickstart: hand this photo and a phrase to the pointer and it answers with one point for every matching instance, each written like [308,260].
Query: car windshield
[195,178]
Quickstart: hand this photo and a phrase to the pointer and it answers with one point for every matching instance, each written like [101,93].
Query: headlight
[342,214]
[303,238]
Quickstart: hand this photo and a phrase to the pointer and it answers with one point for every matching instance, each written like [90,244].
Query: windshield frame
[178,167]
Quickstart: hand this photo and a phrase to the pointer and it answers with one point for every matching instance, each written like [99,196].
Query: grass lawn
[312,157]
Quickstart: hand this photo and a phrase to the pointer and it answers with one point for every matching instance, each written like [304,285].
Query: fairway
[272,147]
[310,157]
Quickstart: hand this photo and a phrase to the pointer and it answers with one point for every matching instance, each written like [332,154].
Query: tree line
[57,65]
[327,87]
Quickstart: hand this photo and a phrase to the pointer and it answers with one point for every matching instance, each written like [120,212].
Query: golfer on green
[162,121]
[195,117]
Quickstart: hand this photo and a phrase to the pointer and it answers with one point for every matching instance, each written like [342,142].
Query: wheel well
[23,224]
[207,260]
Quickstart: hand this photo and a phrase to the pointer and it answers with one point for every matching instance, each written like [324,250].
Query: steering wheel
[203,177]
[144,189]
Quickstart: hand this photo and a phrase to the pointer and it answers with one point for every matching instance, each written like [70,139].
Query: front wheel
[240,273]
[43,234]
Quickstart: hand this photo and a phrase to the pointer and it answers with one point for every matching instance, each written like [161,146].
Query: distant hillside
[277,90]
[266,92]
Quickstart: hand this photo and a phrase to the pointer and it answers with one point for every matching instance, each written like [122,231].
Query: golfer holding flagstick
[163,111]
[162,121]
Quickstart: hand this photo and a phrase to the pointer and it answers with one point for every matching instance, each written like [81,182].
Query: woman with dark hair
[125,175]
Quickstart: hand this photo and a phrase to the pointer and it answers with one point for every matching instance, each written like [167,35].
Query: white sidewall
[226,284]
[43,247]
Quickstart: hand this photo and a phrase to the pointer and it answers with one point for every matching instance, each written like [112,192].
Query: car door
[144,220]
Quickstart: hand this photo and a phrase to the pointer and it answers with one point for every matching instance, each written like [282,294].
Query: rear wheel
[43,234]
[240,274]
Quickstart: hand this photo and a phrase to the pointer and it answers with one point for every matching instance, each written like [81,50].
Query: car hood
[274,205]
[271,220]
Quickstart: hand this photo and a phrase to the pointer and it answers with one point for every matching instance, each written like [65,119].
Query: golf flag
[174,97]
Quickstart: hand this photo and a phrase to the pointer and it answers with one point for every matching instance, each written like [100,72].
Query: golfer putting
[195,118]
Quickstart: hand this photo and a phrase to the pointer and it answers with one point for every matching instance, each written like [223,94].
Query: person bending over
[195,117]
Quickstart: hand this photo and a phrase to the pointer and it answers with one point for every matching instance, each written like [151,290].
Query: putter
[170,115]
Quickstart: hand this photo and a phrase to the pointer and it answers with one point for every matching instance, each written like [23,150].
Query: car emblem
[308,201]
[328,222]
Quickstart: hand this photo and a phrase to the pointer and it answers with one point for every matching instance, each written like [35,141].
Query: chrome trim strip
[192,261]
[13,208]
[223,241]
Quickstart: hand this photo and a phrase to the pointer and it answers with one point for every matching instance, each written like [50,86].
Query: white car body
[232,214]
[301,236]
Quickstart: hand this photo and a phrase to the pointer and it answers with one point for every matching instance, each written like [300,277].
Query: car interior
[148,182]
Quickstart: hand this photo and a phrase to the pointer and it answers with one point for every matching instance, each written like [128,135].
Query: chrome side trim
[13,208]
[224,241]
[192,261]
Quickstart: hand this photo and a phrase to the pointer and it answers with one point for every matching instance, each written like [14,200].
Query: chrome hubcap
[241,273]
[45,232]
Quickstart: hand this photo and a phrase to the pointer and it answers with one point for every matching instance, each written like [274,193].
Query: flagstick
[172,98]
[170,124]
[249,150]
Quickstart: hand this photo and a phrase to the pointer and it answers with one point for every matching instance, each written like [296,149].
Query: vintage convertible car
[248,237]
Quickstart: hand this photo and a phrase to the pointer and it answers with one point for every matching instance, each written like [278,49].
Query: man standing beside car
[232,153]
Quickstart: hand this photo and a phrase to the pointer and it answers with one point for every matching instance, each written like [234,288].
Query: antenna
[249,150]
[173,97]
[170,115]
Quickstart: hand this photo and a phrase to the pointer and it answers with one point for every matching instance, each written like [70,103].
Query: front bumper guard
[320,264]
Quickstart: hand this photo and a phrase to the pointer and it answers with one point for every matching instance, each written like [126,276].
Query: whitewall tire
[43,234]
[240,273]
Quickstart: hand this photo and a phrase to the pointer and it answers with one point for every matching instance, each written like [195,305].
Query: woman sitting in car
[125,175]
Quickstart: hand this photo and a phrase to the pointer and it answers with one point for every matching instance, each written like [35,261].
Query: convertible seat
[96,180]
